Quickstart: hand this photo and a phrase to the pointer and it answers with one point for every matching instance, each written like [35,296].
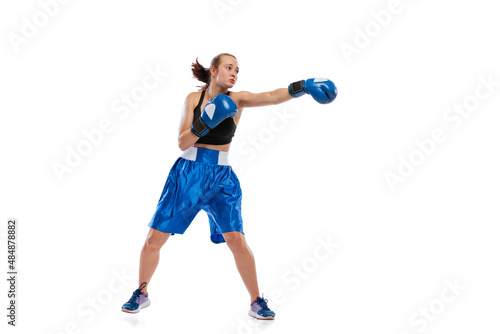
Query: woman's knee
[155,240]
[235,240]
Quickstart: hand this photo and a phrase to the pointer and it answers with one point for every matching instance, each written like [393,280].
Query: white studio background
[376,213]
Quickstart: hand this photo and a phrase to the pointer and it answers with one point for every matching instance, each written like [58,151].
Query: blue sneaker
[137,302]
[259,309]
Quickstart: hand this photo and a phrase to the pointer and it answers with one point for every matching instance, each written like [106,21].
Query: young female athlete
[201,179]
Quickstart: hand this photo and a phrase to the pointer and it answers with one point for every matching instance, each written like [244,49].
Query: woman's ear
[213,71]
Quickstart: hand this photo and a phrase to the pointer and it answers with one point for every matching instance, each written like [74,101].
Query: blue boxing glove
[322,90]
[216,110]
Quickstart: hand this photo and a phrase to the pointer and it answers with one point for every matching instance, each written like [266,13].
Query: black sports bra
[220,135]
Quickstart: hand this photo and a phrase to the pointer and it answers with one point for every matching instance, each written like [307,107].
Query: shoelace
[137,293]
[134,296]
[263,304]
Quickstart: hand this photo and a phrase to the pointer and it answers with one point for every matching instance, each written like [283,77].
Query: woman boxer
[201,178]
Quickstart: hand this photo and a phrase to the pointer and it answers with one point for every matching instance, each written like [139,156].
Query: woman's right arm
[186,137]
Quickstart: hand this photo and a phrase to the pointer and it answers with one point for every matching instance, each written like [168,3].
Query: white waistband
[192,152]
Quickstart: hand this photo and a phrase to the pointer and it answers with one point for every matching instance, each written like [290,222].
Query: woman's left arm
[322,90]
[247,99]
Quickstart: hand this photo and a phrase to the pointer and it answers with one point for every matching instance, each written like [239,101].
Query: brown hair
[203,74]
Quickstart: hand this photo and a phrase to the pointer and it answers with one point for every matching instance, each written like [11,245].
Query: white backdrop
[376,213]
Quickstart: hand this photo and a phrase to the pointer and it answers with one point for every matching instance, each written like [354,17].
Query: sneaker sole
[258,317]
[144,305]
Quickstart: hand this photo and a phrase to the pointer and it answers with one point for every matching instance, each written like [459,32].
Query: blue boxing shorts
[200,179]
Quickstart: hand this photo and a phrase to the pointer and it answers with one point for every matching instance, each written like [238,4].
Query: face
[227,72]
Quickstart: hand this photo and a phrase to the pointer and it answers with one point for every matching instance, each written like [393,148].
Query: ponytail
[201,73]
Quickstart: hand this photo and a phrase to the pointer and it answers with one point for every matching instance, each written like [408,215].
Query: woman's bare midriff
[224,148]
